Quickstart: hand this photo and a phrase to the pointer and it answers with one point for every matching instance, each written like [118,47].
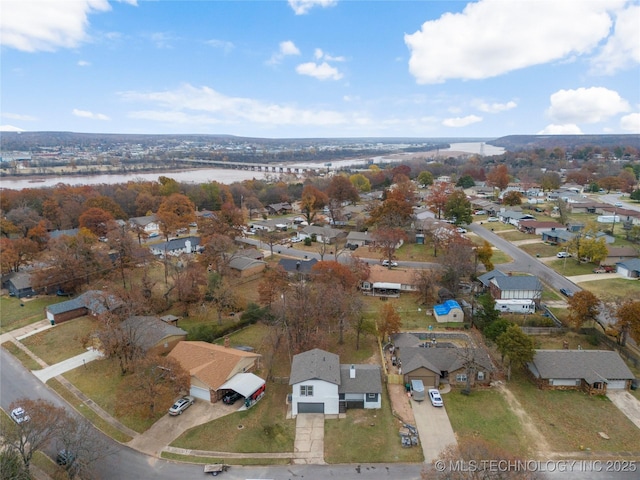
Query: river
[222,175]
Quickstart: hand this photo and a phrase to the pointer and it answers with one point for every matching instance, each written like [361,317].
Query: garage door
[310,407]
[616,384]
[201,393]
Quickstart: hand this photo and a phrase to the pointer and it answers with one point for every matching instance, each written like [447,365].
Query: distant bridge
[256,167]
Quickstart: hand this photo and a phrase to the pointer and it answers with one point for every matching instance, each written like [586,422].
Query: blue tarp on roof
[446,307]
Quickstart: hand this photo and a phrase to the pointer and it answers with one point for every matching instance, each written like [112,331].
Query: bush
[307,242]
[210,333]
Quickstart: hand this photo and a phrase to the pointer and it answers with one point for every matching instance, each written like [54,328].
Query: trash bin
[53,322]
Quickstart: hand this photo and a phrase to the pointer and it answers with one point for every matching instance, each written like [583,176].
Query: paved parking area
[434,428]
[308,447]
[627,404]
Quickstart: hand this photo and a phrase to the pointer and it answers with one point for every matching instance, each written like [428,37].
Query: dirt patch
[401,403]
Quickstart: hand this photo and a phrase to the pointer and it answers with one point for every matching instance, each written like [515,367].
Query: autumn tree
[629,321]
[273,283]
[360,182]
[437,198]
[108,205]
[311,202]
[389,321]
[387,241]
[340,191]
[220,293]
[175,212]
[426,282]
[457,262]
[188,277]
[425,178]
[96,220]
[29,436]
[550,181]
[609,183]
[484,254]
[24,219]
[498,177]
[583,306]
[152,387]
[512,198]
[458,207]
[517,346]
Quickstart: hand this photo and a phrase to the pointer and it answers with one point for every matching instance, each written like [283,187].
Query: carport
[246,384]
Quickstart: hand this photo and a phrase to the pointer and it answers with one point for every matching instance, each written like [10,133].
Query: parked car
[295,240]
[65,458]
[563,255]
[154,235]
[479,212]
[566,292]
[19,415]
[617,204]
[493,219]
[385,263]
[461,230]
[231,398]
[434,396]
[181,405]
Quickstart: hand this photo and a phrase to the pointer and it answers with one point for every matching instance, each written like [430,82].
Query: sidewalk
[69,364]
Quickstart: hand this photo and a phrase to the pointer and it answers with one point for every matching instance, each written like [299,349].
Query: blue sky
[321,68]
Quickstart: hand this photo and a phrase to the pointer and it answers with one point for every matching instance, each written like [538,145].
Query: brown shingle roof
[209,363]
[378,273]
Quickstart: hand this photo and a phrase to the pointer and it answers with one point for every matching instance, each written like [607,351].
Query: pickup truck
[216,468]
[604,269]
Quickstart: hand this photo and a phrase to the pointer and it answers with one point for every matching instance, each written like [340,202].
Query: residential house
[294,266]
[514,217]
[18,284]
[279,208]
[436,364]
[619,254]
[154,334]
[271,224]
[322,234]
[629,268]
[321,385]
[147,224]
[449,311]
[525,287]
[93,302]
[211,366]
[245,266]
[176,246]
[593,371]
[485,278]
[557,237]
[383,281]
[61,233]
[536,227]
[359,239]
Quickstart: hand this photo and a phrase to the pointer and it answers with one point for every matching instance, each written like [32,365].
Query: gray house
[629,268]
[509,287]
[594,371]
[19,284]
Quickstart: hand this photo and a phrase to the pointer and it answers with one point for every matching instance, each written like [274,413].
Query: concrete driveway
[309,443]
[627,404]
[434,428]
[168,428]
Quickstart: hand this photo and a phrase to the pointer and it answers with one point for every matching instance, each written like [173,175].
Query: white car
[295,240]
[385,263]
[461,230]
[563,255]
[493,219]
[19,415]
[436,399]
[617,204]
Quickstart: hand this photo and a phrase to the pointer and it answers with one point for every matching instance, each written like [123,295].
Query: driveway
[627,404]
[308,447]
[434,428]
[168,428]
[66,365]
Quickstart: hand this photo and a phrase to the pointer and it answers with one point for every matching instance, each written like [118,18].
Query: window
[461,377]
[306,390]
[372,397]
[480,375]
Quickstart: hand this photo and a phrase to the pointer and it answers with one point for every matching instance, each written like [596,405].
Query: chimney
[227,342]
[352,371]
[298,265]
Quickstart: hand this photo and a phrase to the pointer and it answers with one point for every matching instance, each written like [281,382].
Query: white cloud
[461,121]
[318,54]
[90,115]
[586,105]
[322,71]
[10,128]
[622,49]
[631,123]
[83,63]
[223,45]
[286,48]
[494,107]
[568,129]
[203,105]
[493,37]
[18,116]
[33,26]
[301,7]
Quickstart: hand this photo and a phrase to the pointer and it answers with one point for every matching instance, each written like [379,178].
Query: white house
[321,385]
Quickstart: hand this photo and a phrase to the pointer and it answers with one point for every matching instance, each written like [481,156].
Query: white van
[417,390]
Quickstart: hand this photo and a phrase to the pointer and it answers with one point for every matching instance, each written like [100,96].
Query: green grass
[486,414]
[571,420]
[570,267]
[264,428]
[515,236]
[499,257]
[62,341]
[89,414]
[229,461]
[613,289]
[367,436]
[22,357]
[17,313]
[541,249]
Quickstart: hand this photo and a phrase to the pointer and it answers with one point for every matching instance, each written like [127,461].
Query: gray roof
[403,340]
[590,365]
[243,263]
[151,330]
[315,364]
[59,233]
[96,301]
[485,278]
[359,236]
[524,282]
[20,280]
[325,232]
[561,234]
[515,215]
[367,379]
[143,221]
[293,265]
[633,264]
[439,359]
[176,244]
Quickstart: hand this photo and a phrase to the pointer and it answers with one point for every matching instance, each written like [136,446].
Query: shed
[449,311]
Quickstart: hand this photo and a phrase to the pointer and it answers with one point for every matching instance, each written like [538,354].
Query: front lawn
[261,429]
[571,420]
[486,414]
[18,312]
[367,436]
[570,267]
[613,289]
[62,341]
[540,249]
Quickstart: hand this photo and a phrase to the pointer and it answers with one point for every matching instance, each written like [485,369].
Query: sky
[321,68]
